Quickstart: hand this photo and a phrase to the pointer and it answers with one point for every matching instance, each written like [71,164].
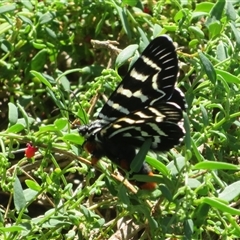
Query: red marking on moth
[90,147]
[149,185]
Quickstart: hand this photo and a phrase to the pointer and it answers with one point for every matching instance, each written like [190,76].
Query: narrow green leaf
[188,228]
[41,78]
[14,228]
[39,60]
[33,185]
[211,165]
[230,192]
[158,165]
[216,12]
[177,165]
[46,17]
[65,83]
[123,196]
[221,52]
[146,178]
[208,68]
[25,19]
[216,203]
[7,8]
[138,160]
[122,12]
[6,46]
[202,210]
[165,192]
[131,3]
[204,115]
[51,33]
[230,11]
[18,196]
[193,183]
[125,55]
[236,33]
[28,4]
[228,77]
[18,127]
[12,113]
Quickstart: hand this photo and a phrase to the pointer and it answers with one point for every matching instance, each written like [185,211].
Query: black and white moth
[145,105]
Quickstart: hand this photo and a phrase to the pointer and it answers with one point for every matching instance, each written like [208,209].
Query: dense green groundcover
[58,62]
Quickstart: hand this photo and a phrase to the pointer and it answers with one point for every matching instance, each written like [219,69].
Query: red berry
[30,151]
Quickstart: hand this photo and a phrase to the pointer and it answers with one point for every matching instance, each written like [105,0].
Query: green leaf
[193,183]
[177,165]
[33,185]
[158,165]
[28,5]
[51,33]
[230,192]
[221,52]
[46,17]
[7,8]
[60,123]
[48,128]
[230,11]
[147,178]
[188,228]
[122,12]
[18,127]
[211,165]
[165,192]
[74,138]
[18,196]
[236,33]
[204,115]
[65,83]
[204,7]
[94,70]
[138,160]
[30,194]
[208,68]
[228,77]
[125,55]
[6,46]
[197,32]
[215,29]
[123,196]
[14,228]
[26,20]
[131,3]
[39,60]
[202,210]
[12,113]
[41,78]
[216,12]
[218,204]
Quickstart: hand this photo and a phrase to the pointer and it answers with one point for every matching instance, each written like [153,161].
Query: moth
[145,105]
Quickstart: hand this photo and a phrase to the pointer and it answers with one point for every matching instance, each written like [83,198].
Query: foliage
[50,74]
